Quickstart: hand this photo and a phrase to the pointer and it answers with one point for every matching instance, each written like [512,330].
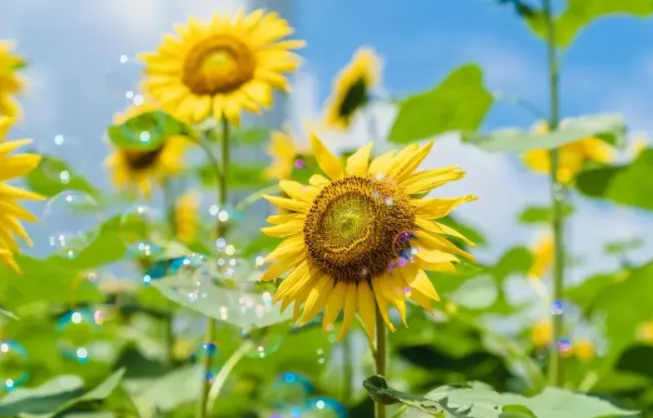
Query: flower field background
[321,209]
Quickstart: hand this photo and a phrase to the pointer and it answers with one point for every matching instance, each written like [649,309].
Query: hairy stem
[380,359]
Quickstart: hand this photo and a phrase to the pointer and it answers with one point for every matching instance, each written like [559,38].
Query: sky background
[77,84]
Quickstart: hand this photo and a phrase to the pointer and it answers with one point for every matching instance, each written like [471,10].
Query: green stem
[256,196]
[380,359]
[211,323]
[168,332]
[226,369]
[557,197]
[347,370]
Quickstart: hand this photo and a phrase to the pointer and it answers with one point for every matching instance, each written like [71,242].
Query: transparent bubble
[123,77]
[57,150]
[13,365]
[557,307]
[192,275]
[211,349]
[142,135]
[265,341]
[76,332]
[143,230]
[565,346]
[288,389]
[323,407]
[73,219]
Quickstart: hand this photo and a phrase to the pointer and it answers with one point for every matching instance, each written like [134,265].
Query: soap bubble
[323,407]
[212,349]
[264,341]
[143,230]
[123,77]
[192,274]
[288,389]
[77,330]
[73,220]
[13,365]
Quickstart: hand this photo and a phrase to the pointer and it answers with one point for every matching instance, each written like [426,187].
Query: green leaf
[584,294]
[630,184]
[55,396]
[542,214]
[623,246]
[8,314]
[516,411]
[53,176]
[580,13]
[168,391]
[147,131]
[222,303]
[254,135]
[610,128]
[459,103]
[240,176]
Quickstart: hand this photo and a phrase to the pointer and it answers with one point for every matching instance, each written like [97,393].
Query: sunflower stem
[169,199]
[380,359]
[226,369]
[211,324]
[347,369]
[557,198]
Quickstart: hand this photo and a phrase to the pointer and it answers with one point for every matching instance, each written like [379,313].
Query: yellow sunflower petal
[367,308]
[329,163]
[427,180]
[334,305]
[285,229]
[381,302]
[317,298]
[289,204]
[358,162]
[351,298]
[380,164]
[438,207]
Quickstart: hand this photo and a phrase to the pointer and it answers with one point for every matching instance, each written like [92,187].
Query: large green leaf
[147,131]
[580,13]
[56,396]
[610,128]
[584,294]
[242,309]
[168,391]
[53,176]
[459,103]
[630,184]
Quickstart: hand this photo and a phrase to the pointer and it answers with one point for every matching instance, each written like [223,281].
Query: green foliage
[580,13]
[542,214]
[147,131]
[630,184]
[249,176]
[610,128]
[56,396]
[53,176]
[459,103]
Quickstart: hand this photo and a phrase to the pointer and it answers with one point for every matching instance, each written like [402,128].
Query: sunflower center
[351,230]
[354,98]
[142,160]
[218,64]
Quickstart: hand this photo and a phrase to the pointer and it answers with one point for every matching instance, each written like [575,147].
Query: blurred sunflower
[11,213]
[222,67]
[186,220]
[285,155]
[351,88]
[362,236]
[639,145]
[10,82]
[543,253]
[572,156]
[140,169]
[542,334]
[645,332]
[584,349]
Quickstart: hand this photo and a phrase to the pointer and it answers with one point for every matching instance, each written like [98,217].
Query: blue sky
[73,48]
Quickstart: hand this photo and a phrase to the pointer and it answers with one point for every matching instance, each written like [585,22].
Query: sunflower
[186,222]
[284,153]
[542,334]
[572,156]
[10,83]
[543,253]
[584,349]
[139,169]
[362,238]
[11,213]
[639,145]
[221,67]
[351,88]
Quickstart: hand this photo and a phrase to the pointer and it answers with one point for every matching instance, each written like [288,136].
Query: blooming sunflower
[186,222]
[10,82]
[572,156]
[543,253]
[139,169]
[351,88]
[362,238]
[221,67]
[11,213]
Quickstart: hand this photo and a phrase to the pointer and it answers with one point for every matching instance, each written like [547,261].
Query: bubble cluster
[143,231]
[73,219]
[13,365]
[76,332]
